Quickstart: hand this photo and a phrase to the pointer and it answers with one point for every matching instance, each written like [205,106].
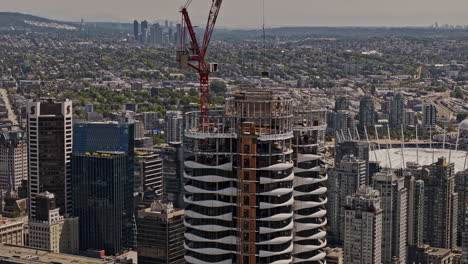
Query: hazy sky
[248,13]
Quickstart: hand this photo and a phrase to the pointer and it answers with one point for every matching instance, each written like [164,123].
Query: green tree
[218,87]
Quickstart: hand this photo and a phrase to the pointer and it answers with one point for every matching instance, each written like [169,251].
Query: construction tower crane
[193,55]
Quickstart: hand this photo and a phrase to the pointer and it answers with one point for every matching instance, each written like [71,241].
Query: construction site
[255,191]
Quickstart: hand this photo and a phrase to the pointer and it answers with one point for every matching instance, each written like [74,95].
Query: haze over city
[278,12]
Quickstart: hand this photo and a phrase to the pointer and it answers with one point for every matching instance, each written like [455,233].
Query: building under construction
[255,191]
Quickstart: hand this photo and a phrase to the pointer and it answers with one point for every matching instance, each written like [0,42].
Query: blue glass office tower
[98,181]
[105,137]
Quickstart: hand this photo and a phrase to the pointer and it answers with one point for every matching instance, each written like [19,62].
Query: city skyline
[277,13]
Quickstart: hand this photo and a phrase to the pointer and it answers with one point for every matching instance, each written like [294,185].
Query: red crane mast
[194,55]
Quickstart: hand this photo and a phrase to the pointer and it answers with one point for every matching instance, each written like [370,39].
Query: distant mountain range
[20,21]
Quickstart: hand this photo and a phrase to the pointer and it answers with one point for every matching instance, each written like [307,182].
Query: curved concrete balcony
[307,157]
[298,205]
[229,240]
[207,203]
[265,254]
[209,251]
[231,191]
[193,260]
[314,169]
[307,248]
[318,191]
[277,217]
[298,180]
[266,230]
[192,214]
[270,205]
[209,228]
[196,165]
[265,180]
[298,227]
[277,240]
[209,178]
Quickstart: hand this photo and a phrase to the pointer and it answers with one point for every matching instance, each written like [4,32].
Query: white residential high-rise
[394,202]
[173,126]
[363,227]
[50,147]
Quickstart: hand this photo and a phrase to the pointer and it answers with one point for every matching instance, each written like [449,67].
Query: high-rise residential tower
[244,203]
[394,217]
[136,29]
[429,118]
[366,112]
[240,182]
[13,160]
[397,111]
[345,180]
[173,126]
[363,227]
[440,204]
[50,148]
[461,188]
[309,189]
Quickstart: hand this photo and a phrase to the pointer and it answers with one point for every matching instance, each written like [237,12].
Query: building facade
[366,112]
[429,119]
[397,111]
[161,234]
[50,147]
[440,205]
[11,231]
[99,181]
[310,192]
[93,137]
[243,203]
[394,216]
[345,179]
[173,126]
[363,227]
[148,172]
[13,160]
[51,231]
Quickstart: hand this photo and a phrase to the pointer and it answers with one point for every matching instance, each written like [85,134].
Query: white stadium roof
[426,157]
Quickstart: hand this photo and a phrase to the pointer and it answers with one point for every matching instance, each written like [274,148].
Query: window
[246,188]
[246,175]
[246,200]
[246,260]
[246,213]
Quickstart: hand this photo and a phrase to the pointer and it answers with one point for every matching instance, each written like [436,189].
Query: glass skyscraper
[99,199]
[112,137]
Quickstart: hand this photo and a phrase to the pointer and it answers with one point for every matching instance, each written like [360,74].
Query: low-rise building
[11,231]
